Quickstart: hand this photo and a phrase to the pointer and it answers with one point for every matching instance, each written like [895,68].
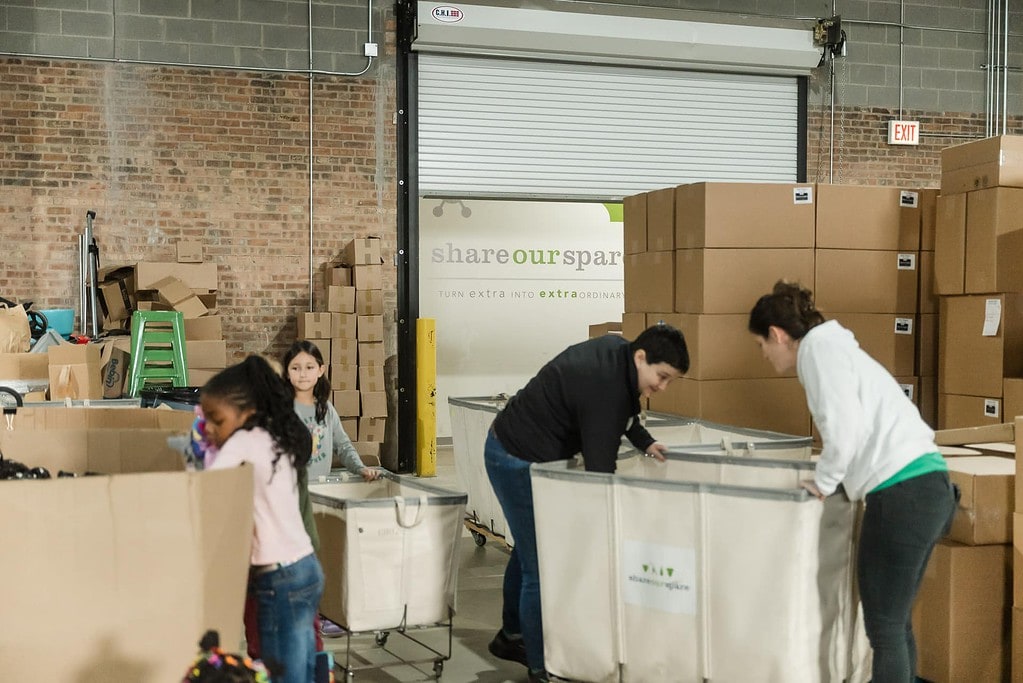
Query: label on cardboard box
[906,262]
[909,199]
[992,317]
[903,326]
[802,195]
[992,407]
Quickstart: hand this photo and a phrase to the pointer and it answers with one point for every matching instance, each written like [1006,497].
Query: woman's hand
[811,486]
[657,450]
[370,474]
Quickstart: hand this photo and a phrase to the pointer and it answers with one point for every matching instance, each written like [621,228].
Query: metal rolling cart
[389,552]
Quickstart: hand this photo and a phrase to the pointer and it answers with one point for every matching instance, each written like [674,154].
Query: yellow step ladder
[157,350]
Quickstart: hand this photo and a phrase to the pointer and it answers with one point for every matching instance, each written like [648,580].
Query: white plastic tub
[471,418]
[389,551]
[705,568]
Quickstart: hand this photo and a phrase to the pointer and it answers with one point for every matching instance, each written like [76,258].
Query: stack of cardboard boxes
[699,256]
[978,250]
[962,614]
[350,335]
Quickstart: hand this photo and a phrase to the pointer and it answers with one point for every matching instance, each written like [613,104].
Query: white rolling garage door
[511,128]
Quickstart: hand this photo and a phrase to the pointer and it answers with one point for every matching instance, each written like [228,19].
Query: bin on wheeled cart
[708,567]
[471,418]
[389,551]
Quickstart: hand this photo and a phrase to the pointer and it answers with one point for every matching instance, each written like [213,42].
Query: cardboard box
[1012,400]
[987,486]
[864,217]
[1017,438]
[966,435]
[344,377]
[115,300]
[633,325]
[744,215]
[1017,637]
[774,404]
[861,281]
[369,302]
[927,391]
[634,211]
[370,328]
[977,348]
[371,353]
[74,371]
[344,352]
[961,617]
[345,325]
[115,365]
[189,251]
[660,220]
[927,345]
[351,427]
[346,403]
[720,346]
[372,428]
[374,403]
[889,339]
[369,452]
[314,325]
[371,378]
[337,276]
[91,549]
[956,411]
[368,277]
[992,162]
[602,329]
[361,251]
[650,282]
[928,217]
[928,299]
[172,292]
[731,280]
[950,245]
[197,377]
[207,354]
[194,275]
[341,299]
[325,347]
[24,366]
[208,327]
[994,240]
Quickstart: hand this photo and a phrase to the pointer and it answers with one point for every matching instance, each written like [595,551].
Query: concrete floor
[478,604]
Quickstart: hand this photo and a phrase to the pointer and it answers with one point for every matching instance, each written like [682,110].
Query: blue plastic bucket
[60,319]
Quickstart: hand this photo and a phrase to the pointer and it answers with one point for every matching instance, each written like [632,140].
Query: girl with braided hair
[250,419]
[878,448]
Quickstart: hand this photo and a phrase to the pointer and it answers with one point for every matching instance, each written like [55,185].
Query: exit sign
[903,132]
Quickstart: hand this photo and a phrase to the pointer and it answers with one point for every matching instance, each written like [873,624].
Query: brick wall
[164,153]
[864,157]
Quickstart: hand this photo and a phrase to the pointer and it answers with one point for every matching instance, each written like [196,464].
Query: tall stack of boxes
[961,618]
[978,251]
[350,334]
[868,274]
[862,250]
[703,265]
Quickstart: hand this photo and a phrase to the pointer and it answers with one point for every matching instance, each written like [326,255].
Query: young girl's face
[222,419]
[304,371]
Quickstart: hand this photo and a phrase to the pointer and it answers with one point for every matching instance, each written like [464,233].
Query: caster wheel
[438,668]
[381,637]
[478,538]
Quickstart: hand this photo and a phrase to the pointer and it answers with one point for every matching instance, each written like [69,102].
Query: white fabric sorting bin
[388,550]
[704,568]
[471,418]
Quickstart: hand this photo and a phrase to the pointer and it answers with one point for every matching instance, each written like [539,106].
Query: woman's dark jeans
[901,525]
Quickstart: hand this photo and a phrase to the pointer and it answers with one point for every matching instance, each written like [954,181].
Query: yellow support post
[426,397]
